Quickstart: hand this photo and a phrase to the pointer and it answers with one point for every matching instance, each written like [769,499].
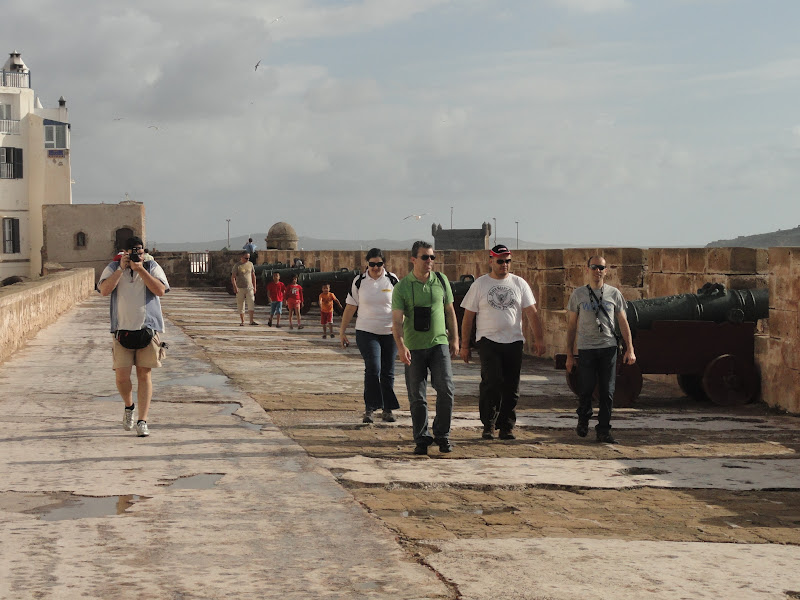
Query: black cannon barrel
[712,302]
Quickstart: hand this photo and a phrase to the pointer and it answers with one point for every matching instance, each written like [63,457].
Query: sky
[610,122]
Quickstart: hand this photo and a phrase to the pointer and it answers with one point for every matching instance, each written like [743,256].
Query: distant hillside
[782,237]
[307,243]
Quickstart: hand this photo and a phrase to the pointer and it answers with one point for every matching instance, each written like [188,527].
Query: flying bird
[417,217]
[276,20]
[258,63]
[118,118]
[152,127]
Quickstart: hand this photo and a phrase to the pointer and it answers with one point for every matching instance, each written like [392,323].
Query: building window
[55,136]
[11,236]
[5,112]
[80,240]
[10,163]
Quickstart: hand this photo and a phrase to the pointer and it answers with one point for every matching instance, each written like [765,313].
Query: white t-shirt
[374,302]
[499,304]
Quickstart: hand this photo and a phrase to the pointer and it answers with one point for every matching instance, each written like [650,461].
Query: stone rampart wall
[638,272]
[25,308]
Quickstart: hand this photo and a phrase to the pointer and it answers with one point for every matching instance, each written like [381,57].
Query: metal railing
[9,126]
[198,263]
[15,79]
[6,171]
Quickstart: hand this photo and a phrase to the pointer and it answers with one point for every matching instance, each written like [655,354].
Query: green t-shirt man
[411,292]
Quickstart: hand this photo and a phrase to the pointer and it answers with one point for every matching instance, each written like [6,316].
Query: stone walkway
[259,481]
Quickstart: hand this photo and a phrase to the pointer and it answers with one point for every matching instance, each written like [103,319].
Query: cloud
[592,6]
[335,96]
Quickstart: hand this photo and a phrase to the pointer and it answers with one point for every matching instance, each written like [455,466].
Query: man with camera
[423,321]
[135,286]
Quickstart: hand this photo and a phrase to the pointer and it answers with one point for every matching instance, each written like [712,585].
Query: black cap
[499,250]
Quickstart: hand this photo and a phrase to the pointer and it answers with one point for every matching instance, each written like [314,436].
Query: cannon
[264,276]
[706,339]
[312,281]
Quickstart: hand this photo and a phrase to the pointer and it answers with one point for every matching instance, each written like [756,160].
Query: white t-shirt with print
[499,304]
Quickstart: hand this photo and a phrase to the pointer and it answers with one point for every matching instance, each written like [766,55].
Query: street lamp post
[451,217]
[229,233]
[495,230]
[517,222]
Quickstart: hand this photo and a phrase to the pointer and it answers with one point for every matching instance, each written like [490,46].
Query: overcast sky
[617,122]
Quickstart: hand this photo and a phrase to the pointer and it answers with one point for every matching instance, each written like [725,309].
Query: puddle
[203,481]
[642,471]
[435,512]
[84,507]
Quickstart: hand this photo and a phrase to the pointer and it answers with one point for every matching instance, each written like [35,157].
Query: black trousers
[499,389]
[597,368]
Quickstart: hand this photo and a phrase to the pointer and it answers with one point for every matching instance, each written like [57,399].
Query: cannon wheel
[691,384]
[628,385]
[730,381]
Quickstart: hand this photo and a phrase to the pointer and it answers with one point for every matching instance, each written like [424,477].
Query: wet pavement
[260,481]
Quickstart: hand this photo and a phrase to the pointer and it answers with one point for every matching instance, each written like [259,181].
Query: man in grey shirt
[592,311]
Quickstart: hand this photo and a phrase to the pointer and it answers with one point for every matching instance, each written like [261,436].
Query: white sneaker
[127,419]
[141,429]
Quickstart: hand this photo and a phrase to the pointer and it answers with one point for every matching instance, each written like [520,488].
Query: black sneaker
[488,432]
[368,418]
[507,434]
[583,428]
[421,449]
[388,417]
[444,445]
[606,438]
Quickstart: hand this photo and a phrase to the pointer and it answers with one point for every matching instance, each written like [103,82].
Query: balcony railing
[15,79]
[9,126]
[6,171]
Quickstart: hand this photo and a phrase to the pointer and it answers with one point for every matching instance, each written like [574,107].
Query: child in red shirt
[276,289]
[294,301]
[326,300]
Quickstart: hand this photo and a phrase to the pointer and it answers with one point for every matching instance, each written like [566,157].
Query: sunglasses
[375,264]
[428,257]
[137,248]
[597,267]
[503,261]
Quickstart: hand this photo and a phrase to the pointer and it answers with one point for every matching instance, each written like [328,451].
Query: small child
[276,290]
[326,300]
[294,301]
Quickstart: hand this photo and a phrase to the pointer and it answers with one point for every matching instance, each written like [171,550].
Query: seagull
[276,20]
[152,127]
[258,63]
[118,118]
[417,217]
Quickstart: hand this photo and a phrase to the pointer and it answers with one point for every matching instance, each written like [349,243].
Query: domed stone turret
[282,236]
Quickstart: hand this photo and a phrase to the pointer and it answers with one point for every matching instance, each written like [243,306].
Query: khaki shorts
[241,296]
[150,356]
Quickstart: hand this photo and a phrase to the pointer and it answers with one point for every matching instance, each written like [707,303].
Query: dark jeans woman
[379,352]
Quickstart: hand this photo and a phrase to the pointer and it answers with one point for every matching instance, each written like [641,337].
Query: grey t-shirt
[589,335]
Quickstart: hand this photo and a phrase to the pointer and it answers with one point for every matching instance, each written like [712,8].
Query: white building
[34,168]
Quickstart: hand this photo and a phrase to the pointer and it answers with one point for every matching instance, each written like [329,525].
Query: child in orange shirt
[326,300]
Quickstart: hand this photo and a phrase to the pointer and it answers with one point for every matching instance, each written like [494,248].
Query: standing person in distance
[276,290]
[371,294]
[243,278]
[294,301]
[326,300]
[251,250]
[426,333]
[592,310]
[499,300]
[135,287]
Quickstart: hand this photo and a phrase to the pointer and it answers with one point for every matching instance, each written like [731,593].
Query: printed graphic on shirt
[501,297]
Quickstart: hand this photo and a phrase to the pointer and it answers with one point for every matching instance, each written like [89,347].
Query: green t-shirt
[411,292]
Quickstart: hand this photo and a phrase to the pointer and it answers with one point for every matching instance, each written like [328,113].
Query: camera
[135,256]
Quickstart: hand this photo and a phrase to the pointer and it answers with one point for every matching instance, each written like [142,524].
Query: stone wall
[25,308]
[779,351]
[639,273]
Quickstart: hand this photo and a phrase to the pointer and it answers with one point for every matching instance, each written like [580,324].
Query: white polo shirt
[499,304]
[374,302]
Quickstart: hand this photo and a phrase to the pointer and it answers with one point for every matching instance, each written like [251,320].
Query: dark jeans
[499,389]
[597,367]
[437,360]
[378,352]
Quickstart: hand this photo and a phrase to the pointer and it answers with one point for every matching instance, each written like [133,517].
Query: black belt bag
[135,340]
